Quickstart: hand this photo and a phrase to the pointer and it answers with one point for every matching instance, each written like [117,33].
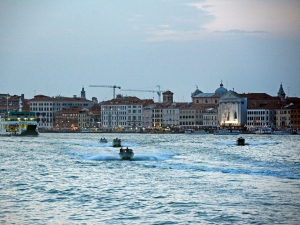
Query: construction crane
[153,91]
[108,86]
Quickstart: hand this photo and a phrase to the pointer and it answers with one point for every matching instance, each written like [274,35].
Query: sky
[57,47]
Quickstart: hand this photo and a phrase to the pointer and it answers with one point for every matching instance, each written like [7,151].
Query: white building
[147,116]
[45,107]
[210,118]
[232,110]
[123,113]
[260,117]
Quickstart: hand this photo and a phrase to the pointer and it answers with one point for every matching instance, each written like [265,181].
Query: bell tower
[281,93]
[168,97]
[82,93]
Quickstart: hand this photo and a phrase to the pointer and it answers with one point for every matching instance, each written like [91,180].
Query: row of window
[257,118]
[258,123]
[206,101]
[120,107]
[59,104]
[258,112]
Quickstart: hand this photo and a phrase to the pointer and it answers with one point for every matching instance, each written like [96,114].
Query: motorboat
[264,130]
[193,131]
[281,132]
[240,141]
[227,132]
[126,153]
[19,123]
[103,140]
[117,142]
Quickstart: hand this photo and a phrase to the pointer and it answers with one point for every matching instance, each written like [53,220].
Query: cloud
[236,31]
[219,18]
[276,18]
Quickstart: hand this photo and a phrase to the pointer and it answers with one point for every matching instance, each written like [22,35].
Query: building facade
[45,107]
[232,110]
[123,113]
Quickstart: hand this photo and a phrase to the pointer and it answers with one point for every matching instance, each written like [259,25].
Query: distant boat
[281,132]
[193,131]
[117,142]
[240,141]
[227,132]
[103,140]
[126,154]
[264,130]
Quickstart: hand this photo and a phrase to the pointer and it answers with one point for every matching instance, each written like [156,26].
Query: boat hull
[226,133]
[31,130]
[240,141]
[117,143]
[126,155]
[103,140]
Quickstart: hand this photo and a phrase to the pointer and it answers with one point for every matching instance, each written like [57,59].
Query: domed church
[221,90]
[208,99]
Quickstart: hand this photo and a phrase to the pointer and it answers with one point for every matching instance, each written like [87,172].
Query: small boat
[227,132]
[264,130]
[117,142]
[103,140]
[193,131]
[281,132]
[240,141]
[126,154]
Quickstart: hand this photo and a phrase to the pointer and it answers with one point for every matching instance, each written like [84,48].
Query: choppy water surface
[173,179]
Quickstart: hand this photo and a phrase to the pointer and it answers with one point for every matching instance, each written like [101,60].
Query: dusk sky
[57,47]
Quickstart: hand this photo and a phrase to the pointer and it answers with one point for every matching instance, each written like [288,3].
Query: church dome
[221,90]
[196,92]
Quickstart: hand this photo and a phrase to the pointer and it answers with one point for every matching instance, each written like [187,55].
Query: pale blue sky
[57,47]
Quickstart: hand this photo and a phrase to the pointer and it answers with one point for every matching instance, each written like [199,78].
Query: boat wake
[99,144]
[232,143]
[151,157]
[267,172]
[116,157]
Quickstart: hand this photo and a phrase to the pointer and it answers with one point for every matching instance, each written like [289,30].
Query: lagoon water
[173,179]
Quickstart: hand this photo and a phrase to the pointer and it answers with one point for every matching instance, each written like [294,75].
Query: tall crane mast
[153,91]
[108,86]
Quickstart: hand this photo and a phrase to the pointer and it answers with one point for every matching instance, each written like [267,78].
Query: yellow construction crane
[153,91]
[108,86]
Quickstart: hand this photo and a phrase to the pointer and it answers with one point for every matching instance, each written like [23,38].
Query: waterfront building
[263,117]
[190,116]
[165,115]
[271,111]
[45,107]
[210,118]
[170,115]
[66,119]
[85,119]
[283,117]
[148,115]
[294,106]
[208,100]
[232,110]
[123,113]
[11,103]
[157,116]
